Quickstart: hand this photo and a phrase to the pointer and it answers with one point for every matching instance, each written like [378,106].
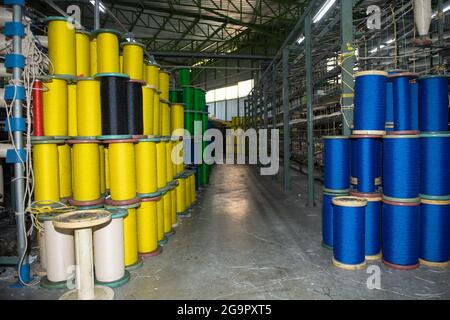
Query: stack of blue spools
[406,214]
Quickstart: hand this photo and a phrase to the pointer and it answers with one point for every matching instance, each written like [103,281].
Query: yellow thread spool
[86,170]
[130,238]
[173,197]
[107,168]
[55,107]
[152,75]
[122,169]
[161,164]
[72,130]
[83,53]
[133,55]
[164,84]
[108,51]
[193,194]
[177,119]
[165,118]
[181,196]
[46,171]
[89,114]
[121,63]
[61,46]
[147,109]
[101,154]
[160,218]
[156,114]
[147,225]
[65,171]
[167,198]
[93,56]
[146,163]
[169,164]
[188,192]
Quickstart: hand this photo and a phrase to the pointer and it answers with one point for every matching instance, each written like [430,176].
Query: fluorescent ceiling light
[322,11]
[443,10]
[100,5]
[390,41]
[376,49]
[301,39]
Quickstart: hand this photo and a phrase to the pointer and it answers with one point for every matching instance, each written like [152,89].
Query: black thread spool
[113,104]
[134,108]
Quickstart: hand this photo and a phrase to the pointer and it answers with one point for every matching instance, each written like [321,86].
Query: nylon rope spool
[327,218]
[148,101]
[188,99]
[414,103]
[164,84]
[131,256]
[373,224]
[106,168]
[366,162]
[353,163]
[146,167]
[122,172]
[401,169]
[167,199]
[400,234]
[192,189]
[89,113]
[147,227]
[134,108]
[349,232]
[160,220]
[133,55]
[65,171]
[121,63]
[184,77]
[156,114]
[177,119]
[169,163]
[336,164]
[434,235]
[433,103]
[165,118]
[93,57]
[161,163]
[152,75]
[370,101]
[61,46]
[113,100]
[173,210]
[59,252]
[188,189]
[86,173]
[46,170]
[109,252]
[55,106]
[435,170]
[83,54]
[404,114]
[101,156]
[72,129]
[181,196]
[107,50]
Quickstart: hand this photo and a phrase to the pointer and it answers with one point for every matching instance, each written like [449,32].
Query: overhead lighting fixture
[376,49]
[444,10]
[321,13]
[390,41]
[100,5]
[301,39]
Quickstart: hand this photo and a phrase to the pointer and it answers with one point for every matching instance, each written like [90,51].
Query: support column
[347,64]
[286,130]
[309,109]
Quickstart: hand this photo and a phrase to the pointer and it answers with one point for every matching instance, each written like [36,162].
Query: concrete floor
[247,239]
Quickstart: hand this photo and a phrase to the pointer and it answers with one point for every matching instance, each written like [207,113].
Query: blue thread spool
[434,164]
[433,103]
[349,232]
[403,110]
[367,153]
[327,219]
[415,104]
[401,167]
[353,164]
[373,224]
[434,233]
[336,164]
[370,102]
[400,234]
[389,125]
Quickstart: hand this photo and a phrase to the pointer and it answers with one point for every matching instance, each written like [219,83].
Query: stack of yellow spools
[108,142]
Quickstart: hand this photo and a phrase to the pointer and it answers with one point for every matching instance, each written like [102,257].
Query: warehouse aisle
[248,239]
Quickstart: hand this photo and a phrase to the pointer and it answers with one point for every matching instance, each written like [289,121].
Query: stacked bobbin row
[102,138]
[414,171]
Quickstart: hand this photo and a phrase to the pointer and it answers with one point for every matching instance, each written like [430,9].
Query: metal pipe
[97,14]
[286,129]
[309,110]
[206,55]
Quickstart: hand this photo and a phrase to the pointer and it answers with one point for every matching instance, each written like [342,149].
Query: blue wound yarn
[327,218]
[353,163]
[401,167]
[435,231]
[349,230]
[403,115]
[435,164]
[400,233]
[414,105]
[370,100]
[368,158]
[433,103]
[336,163]
[389,103]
